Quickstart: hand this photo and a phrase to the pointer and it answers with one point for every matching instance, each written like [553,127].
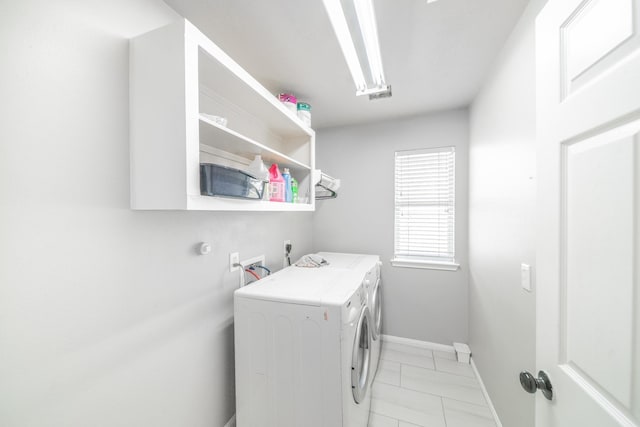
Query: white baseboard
[418,343]
[232,422]
[486,394]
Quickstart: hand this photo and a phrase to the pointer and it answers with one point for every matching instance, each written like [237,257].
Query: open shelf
[177,76]
[219,71]
[223,138]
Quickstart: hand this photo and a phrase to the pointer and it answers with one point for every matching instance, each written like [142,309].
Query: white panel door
[588,295]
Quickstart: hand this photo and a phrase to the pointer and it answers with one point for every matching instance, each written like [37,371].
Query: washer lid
[340,260]
[306,286]
[357,262]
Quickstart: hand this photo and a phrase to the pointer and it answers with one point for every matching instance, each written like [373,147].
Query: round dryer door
[376,302]
[361,359]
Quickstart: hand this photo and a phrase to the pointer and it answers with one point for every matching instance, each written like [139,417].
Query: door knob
[542,383]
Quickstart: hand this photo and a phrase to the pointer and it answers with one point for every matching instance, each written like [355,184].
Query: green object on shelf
[294,190]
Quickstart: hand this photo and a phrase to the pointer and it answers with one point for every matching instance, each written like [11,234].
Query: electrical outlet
[234,259]
[286,259]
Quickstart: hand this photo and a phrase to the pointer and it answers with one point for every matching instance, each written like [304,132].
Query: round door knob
[528,382]
[531,384]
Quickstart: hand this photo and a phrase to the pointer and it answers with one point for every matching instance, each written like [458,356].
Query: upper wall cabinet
[179,80]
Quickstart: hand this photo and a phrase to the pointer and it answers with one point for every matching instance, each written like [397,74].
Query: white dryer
[303,350]
[368,267]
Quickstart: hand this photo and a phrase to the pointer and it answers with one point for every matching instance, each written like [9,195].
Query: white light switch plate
[525,277]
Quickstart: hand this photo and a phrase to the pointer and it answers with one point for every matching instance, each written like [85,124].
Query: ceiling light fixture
[370,55]
[341,28]
[368,27]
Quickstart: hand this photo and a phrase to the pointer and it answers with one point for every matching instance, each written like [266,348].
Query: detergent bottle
[294,190]
[286,175]
[276,184]
[258,170]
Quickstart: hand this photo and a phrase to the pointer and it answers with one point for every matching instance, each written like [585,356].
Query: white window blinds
[425,205]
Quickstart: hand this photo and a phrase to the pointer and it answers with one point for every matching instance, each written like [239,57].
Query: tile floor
[419,387]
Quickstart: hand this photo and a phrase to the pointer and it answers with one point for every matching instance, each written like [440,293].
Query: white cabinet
[177,77]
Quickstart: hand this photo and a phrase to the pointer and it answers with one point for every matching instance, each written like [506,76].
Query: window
[425,209]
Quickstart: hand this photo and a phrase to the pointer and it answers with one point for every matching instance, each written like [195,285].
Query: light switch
[525,277]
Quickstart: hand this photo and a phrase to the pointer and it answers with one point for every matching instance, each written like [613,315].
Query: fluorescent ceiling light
[366,19]
[339,22]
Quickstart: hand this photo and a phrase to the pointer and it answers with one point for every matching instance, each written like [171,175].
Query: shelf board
[207,203]
[223,138]
[218,70]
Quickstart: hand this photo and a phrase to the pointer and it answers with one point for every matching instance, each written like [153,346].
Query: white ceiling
[435,55]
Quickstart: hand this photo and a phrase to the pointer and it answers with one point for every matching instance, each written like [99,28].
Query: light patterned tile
[421,409]
[449,355]
[388,372]
[420,360]
[404,424]
[441,384]
[454,367]
[461,414]
[409,349]
[377,420]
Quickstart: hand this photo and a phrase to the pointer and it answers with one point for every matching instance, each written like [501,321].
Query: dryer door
[376,306]
[361,359]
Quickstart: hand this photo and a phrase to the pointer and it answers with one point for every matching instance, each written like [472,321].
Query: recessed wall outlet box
[255,261]
[251,264]
[463,352]
[234,260]
[525,277]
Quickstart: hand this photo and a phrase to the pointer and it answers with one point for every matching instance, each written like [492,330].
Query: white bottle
[258,169]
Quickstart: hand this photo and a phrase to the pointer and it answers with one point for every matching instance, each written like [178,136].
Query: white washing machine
[303,350]
[368,266]
[373,282]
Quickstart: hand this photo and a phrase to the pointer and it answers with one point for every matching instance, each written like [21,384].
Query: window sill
[429,265]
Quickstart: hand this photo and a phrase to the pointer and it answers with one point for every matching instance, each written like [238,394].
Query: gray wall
[502,203]
[419,304]
[107,316]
